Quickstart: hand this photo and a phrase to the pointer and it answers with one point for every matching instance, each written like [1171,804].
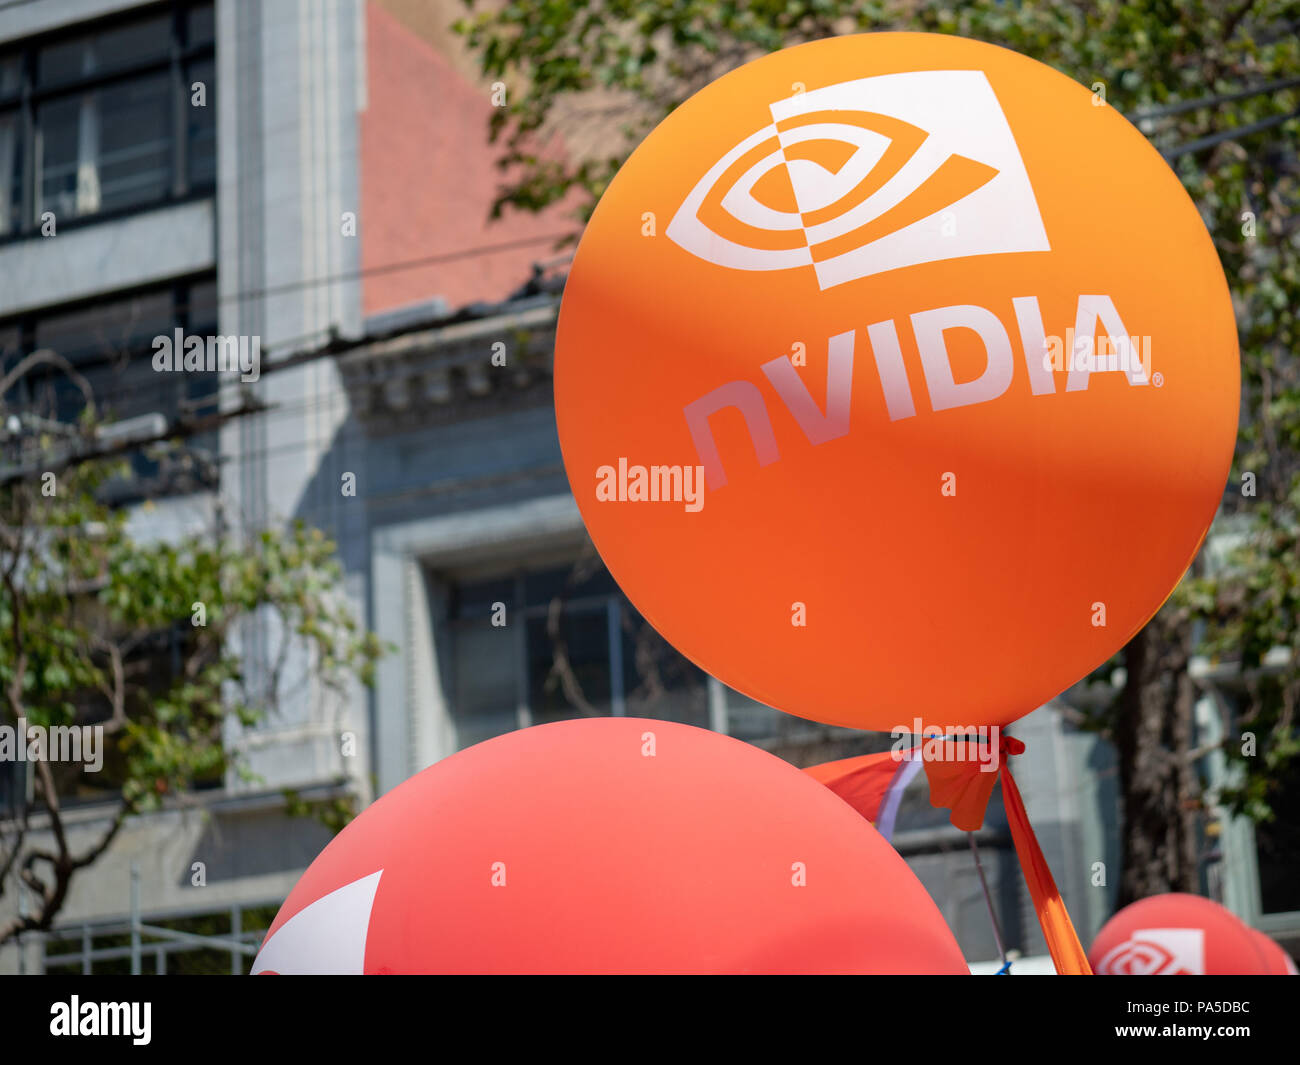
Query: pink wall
[428,177]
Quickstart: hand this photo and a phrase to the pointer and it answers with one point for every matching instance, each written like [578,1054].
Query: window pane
[10,344]
[10,353]
[133,387]
[11,171]
[59,129]
[108,330]
[13,786]
[586,637]
[202,310]
[135,142]
[116,48]
[475,599]
[66,61]
[104,150]
[200,315]
[750,720]
[591,579]
[199,26]
[11,76]
[201,124]
[483,681]
[1278,843]
[660,682]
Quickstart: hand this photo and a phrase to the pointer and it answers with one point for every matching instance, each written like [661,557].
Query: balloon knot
[1011,745]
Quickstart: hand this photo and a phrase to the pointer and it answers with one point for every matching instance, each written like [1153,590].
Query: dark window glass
[106,109]
[541,588]
[659,682]
[748,719]
[202,308]
[10,342]
[10,352]
[474,599]
[116,48]
[13,787]
[585,635]
[200,27]
[202,385]
[201,124]
[483,690]
[104,150]
[108,331]
[1278,843]
[111,345]
[11,171]
[11,76]
[505,677]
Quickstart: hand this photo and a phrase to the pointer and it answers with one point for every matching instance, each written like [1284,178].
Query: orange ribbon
[964,788]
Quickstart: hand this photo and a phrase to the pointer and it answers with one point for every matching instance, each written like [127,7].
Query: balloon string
[988,901]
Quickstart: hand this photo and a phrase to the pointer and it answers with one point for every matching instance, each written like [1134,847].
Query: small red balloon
[609,845]
[1179,935]
[1279,961]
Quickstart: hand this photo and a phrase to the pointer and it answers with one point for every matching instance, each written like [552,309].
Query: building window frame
[176,64]
[526,609]
[188,396]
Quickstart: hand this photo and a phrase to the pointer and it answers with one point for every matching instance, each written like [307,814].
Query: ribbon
[872,784]
[964,787]
[1062,940]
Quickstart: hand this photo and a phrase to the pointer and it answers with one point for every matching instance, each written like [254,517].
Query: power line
[397,266]
[1229,135]
[334,344]
[180,427]
[1214,101]
[388,268]
[185,426]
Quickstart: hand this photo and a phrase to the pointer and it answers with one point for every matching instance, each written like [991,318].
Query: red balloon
[1179,935]
[609,845]
[1279,961]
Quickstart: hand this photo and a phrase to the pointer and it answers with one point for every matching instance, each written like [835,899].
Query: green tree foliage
[143,639]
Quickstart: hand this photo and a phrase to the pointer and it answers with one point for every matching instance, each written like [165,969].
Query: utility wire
[1213,101]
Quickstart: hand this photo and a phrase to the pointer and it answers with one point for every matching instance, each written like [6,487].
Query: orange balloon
[896,379]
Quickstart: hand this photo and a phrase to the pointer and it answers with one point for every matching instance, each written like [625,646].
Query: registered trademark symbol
[1158,379]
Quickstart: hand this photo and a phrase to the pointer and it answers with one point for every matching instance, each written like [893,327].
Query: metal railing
[148,940]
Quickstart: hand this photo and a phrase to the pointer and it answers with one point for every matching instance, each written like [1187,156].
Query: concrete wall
[290,80]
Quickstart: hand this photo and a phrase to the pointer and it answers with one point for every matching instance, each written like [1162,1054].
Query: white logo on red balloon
[928,170]
[325,938]
[1157,952]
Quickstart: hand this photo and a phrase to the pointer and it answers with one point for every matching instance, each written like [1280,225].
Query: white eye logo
[867,176]
[1157,952]
[325,938]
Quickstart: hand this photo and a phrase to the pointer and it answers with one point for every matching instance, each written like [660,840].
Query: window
[109,343]
[598,656]
[750,720]
[102,121]
[1278,844]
